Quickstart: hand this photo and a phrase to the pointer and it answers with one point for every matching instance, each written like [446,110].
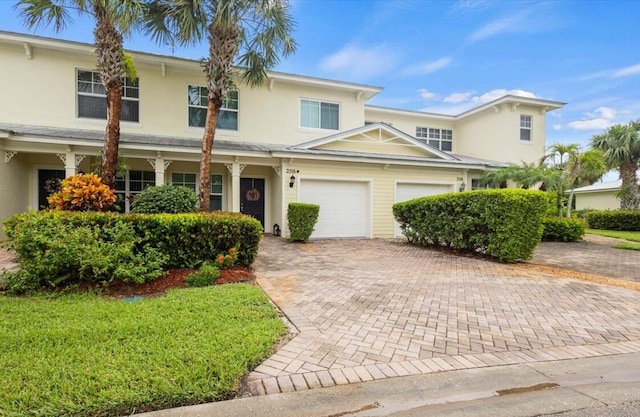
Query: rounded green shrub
[562,229]
[165,199]
[302,218]
[627,220]
[206,275]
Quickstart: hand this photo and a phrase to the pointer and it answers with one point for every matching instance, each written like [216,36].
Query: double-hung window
[438,138]
[215,197]
[197,99]
[92,97]
[130,184]
[319,115]
[525,128]
[184,179]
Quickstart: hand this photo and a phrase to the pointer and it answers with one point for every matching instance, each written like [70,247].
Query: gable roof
[376,129]
[600,187]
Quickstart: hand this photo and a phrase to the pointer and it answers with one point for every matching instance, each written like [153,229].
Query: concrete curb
[511,390]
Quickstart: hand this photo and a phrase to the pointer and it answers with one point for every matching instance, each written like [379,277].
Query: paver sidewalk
[373,309]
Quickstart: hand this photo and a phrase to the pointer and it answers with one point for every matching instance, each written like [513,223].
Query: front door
[48,182]
[252,198]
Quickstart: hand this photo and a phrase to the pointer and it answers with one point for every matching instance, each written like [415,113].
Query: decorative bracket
[240,168]
[79,159]
[63,158]
[8,155]
[153,163]
[514,106]
[277,170]
[27,50]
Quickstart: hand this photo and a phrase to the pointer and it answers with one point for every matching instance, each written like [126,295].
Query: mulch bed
[173,278]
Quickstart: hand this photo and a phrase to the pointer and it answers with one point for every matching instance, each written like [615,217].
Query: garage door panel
[344,207]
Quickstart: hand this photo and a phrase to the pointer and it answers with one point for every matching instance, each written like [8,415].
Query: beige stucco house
[296,138]
[600,196]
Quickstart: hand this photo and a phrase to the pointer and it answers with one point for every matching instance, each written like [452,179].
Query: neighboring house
[297,138]
[601,196]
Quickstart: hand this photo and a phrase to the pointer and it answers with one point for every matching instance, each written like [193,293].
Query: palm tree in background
[621,146]
[114,18]
[245,38]
[583,168]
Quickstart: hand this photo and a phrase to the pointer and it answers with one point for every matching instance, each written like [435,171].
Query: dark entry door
[48,182]
[252,198]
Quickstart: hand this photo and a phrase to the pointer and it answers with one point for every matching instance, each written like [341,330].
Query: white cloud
[428,67]
[557,126]
[426,94]
[360,62]
[535,18]
[460,102]
[457,97]
[500,92]
[624,72]
[606,112]
[471,6]
[600,119]
[592,124]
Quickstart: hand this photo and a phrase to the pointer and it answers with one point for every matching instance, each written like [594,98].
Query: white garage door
[344,207]
[408,191]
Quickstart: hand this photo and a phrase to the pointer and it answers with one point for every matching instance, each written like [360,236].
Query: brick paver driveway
[374,309]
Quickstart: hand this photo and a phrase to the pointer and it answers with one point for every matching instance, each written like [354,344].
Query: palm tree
[246,37]
[621,146]
[560,150]
[114,18]
[583,169]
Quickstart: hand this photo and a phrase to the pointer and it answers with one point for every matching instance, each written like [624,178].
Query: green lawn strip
[86,355]
[632,236]
[630,246]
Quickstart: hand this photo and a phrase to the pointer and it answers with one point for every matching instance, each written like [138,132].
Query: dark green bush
[186,239]
[504,224]
[205,276]
[562,229]
[165,199]
[302,218]
[53,252]
[628,220]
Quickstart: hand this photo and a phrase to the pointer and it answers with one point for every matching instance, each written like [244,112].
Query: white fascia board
[389,161]
[411,113]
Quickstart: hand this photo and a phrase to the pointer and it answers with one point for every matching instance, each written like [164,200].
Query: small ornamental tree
[302,218]
[83,192]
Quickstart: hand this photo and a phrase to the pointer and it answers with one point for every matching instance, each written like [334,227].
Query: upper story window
[319,115]
[197,101]
[525,127]
[92,97]
[438,138]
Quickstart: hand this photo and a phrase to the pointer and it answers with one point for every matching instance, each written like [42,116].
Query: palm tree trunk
[213,107]
[570,201]
[112,133]
[629,190]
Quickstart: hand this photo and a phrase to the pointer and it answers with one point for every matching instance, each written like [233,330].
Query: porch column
[71,161]
[159,165]
[235,169]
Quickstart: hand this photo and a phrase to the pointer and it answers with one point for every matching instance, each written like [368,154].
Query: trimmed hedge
[627,220]
[165,199]
[72,246]
[302,218]
[562,229]
[503,224]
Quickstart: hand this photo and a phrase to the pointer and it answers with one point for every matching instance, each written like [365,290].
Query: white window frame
[526,125]
[97,92]
[320,103]
[221,193]
[192,185]
[224,107]
[435,137]
[128,194]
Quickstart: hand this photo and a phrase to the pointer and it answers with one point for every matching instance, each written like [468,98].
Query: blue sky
[449,56]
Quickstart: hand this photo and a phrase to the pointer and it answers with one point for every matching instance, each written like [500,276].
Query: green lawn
[629,246]
[632,236]
[91,356]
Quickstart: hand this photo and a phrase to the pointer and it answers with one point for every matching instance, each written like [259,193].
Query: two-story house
[295,139]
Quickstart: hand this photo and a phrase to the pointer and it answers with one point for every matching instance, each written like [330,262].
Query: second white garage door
[344,207]
[407,191]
